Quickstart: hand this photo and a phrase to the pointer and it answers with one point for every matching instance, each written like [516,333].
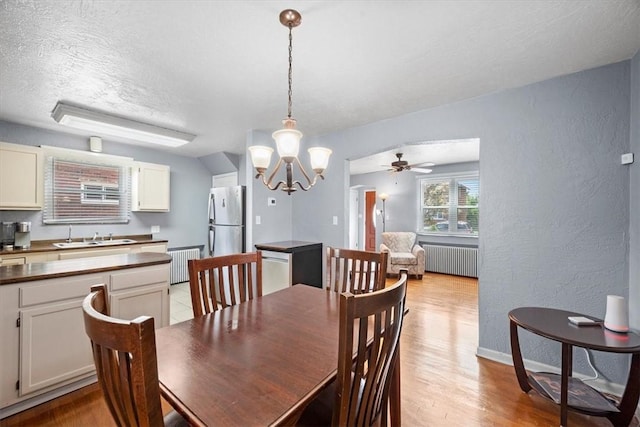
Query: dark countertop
[74,267]
[288,246]
[47,245]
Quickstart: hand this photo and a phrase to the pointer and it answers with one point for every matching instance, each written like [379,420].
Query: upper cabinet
[150,187]
[21,177]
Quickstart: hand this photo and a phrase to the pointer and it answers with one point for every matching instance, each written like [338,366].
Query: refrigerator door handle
[212,239]
[212,209]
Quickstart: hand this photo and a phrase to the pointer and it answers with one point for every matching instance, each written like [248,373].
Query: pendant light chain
[290,61]
[288,139]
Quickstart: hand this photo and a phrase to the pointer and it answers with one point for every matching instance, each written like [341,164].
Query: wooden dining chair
[355,271]
[124,353]
[223,281]
[370,326]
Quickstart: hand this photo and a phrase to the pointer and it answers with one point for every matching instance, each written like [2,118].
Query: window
[450,205]
[82,191]
[99,193]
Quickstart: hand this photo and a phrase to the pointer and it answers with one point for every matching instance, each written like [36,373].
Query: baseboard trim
[45,397]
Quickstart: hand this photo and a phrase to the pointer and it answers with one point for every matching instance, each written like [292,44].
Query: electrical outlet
[155,229]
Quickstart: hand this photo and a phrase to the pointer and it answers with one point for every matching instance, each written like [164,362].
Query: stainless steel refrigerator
[226,220]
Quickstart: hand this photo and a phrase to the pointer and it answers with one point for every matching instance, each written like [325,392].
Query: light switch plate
[335,220]
[271,201]
[258,220]
[626,159]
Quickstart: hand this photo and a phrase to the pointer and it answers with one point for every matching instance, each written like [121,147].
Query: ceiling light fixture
[288,138]
[110,125]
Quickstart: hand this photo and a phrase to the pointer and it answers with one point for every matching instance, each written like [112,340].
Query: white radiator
[179,270]
[451,260]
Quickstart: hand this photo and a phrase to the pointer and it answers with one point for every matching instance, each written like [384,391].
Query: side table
[554,324]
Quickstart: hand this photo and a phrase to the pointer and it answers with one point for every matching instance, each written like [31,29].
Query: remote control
[582,321]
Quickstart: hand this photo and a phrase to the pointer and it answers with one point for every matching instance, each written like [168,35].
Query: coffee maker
[7,233]
[23,235]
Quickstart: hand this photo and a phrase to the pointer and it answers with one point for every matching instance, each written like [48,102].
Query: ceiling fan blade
[427,164]
[421,170]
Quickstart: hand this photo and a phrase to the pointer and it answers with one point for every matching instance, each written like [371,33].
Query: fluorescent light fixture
[107,124]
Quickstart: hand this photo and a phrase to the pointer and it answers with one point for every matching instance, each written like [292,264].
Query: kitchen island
[45,352]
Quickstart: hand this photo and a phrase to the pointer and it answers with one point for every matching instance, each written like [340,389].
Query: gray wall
[555,199]
[221,162]
[184,225]
[275,221]
[634,199]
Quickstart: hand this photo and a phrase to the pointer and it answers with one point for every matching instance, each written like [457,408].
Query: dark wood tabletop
[257,363]
[554,324]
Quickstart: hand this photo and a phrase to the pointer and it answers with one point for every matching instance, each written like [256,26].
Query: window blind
[86,192]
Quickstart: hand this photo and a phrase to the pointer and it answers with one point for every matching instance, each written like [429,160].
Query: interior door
[369,221]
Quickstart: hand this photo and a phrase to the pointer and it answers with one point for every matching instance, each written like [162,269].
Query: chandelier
[288,139]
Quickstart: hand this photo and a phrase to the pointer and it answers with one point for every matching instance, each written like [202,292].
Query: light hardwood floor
[443,382]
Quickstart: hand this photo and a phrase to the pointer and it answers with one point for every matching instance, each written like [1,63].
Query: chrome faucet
[69,238]
[95,236]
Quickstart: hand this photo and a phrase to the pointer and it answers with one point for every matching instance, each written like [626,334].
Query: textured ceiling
[218,69]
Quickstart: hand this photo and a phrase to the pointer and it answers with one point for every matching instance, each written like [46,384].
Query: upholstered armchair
[404,253]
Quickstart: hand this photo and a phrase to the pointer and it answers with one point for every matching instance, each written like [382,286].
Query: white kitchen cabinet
[44,343]
[160,248]
[53,346]
[19,257]
[87,253]
[12,261]
[150,187]
[142,290]
[21,177]
[45,350]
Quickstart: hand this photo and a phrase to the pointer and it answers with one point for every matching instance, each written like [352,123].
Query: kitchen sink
[92,243]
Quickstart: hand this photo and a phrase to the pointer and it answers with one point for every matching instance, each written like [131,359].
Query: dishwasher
[276,271]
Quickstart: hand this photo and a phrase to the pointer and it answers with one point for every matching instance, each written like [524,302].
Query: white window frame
[452,207]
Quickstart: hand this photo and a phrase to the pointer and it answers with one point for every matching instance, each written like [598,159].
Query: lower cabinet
[141,291]
[12,261]
[44,345]
[53,346]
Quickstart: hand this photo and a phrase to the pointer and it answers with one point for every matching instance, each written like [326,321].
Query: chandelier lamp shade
[288,139]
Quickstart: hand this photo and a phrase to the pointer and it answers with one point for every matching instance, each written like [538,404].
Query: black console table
[554,324]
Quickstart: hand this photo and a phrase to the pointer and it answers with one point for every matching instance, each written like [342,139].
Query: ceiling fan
[402,165]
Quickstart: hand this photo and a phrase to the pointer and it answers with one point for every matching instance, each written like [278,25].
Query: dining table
[257,363]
